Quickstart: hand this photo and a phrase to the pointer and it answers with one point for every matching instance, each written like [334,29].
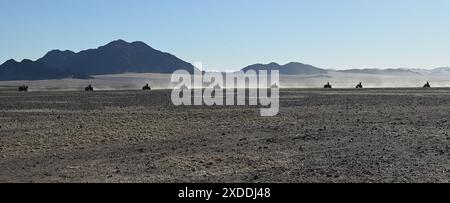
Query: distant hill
[440,71]
[288,69]
[29,70]
[116,57]
[389,71]
[137,57]
[304,69]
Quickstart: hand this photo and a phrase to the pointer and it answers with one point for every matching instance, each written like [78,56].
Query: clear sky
[230,34]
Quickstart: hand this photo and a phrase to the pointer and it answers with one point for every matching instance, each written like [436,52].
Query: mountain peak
[140,44]
[27,61]
[292,68]
[119,42]
[295,63]
[273,64]
[60,51]
[123,43]
[118,56]
[10,62]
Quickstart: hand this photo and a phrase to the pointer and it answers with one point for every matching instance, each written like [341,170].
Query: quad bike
[146,87]
[89,88]
[23,89]
[359,86]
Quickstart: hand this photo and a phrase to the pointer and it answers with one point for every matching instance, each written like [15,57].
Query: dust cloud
[135,81]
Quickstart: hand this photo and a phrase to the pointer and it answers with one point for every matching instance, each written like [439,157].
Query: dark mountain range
[114,58]
[288,69]
[137,57]
[29,70]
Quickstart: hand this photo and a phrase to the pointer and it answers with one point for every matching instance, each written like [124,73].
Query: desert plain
[338,135]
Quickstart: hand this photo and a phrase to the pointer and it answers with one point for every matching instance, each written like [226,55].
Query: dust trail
[100,82]
[349,80]
[135,81]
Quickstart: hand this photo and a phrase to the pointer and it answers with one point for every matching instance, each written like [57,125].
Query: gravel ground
[370,135]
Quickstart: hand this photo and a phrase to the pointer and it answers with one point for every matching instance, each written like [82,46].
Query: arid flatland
[369,135]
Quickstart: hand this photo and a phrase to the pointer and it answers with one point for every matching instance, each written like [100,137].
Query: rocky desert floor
[370,135]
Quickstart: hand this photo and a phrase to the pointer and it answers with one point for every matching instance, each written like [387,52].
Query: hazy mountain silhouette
[388,71]
[288,69]
[440,71]
[116,57]
[304,69]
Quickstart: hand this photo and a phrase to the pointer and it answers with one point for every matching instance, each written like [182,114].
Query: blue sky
[230,34]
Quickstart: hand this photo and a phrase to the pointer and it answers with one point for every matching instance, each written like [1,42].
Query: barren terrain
[370,135]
